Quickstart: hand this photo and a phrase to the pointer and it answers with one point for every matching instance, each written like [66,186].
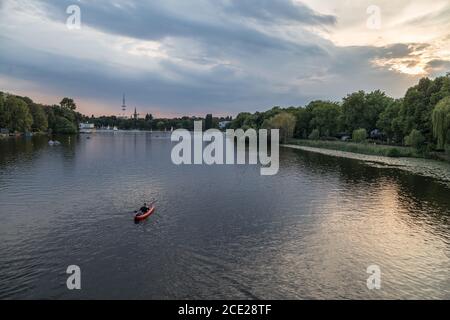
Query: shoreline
[436,169]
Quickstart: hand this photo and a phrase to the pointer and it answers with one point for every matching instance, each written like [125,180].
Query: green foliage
[395,119]
[161,125]
[240,120]
[447,146]
[419,103]
[390,122]
[40,121]
[424,109]
[359,135]
[314,135]
[68,103]
[441,122]
[362,148]
[20,117]
[324,117]
[21,114]
[285,122]
[5,116]
[64,126]
[303,120]
[208,121]
[151,123]
[393,153]
[415,139]
[361,110]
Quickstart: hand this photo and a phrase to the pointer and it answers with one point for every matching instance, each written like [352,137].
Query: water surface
[219,232]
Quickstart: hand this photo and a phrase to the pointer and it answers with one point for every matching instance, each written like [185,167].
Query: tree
[325,117]
[376,103]
[419,103]
[441,122]
[415,139]
[315,135]
[359,135]
[208,121]
[285,122]
[242,119]
[390,122]
[20,117]
[352,110]
[361,110]
[64,126]
[5,116]
[40,121]
[303,116]
[161,125]
[68,103]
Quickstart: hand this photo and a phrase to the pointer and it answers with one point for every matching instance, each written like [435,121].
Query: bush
[447,146]
[393,153]
[415,139]
[315,135]
[359,135]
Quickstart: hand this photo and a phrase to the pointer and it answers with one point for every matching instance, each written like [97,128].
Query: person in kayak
[144,209]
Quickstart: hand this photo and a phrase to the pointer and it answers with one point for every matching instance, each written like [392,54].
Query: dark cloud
[438,67]
[399,50]
[218,89]
[216,59]
[278,11]
[437,63]
[152,20]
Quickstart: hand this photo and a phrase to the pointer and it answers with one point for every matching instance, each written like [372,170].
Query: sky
[177,57]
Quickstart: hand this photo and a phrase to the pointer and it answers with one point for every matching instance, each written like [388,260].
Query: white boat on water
[54,143]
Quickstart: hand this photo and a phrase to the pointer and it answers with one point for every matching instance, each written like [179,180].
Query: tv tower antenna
[124,106]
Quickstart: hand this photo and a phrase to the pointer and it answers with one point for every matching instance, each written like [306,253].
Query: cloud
[278,11]
[195,57]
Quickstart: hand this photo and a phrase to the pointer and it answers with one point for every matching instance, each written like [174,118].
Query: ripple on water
[219,231]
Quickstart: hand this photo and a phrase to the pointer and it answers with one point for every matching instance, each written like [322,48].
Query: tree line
[420,119]
[158,124]
[21,115]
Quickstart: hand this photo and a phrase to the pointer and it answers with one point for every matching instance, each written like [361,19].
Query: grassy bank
[362,148]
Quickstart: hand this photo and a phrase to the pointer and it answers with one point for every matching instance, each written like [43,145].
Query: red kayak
[143,216]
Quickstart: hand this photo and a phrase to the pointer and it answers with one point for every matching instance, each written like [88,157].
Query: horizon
[177,116]
[220,57]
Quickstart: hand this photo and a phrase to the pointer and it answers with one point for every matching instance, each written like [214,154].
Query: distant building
[87,128]
[376,134]
[223,124]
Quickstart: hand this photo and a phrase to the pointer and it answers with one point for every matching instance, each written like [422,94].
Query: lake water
[310,231]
